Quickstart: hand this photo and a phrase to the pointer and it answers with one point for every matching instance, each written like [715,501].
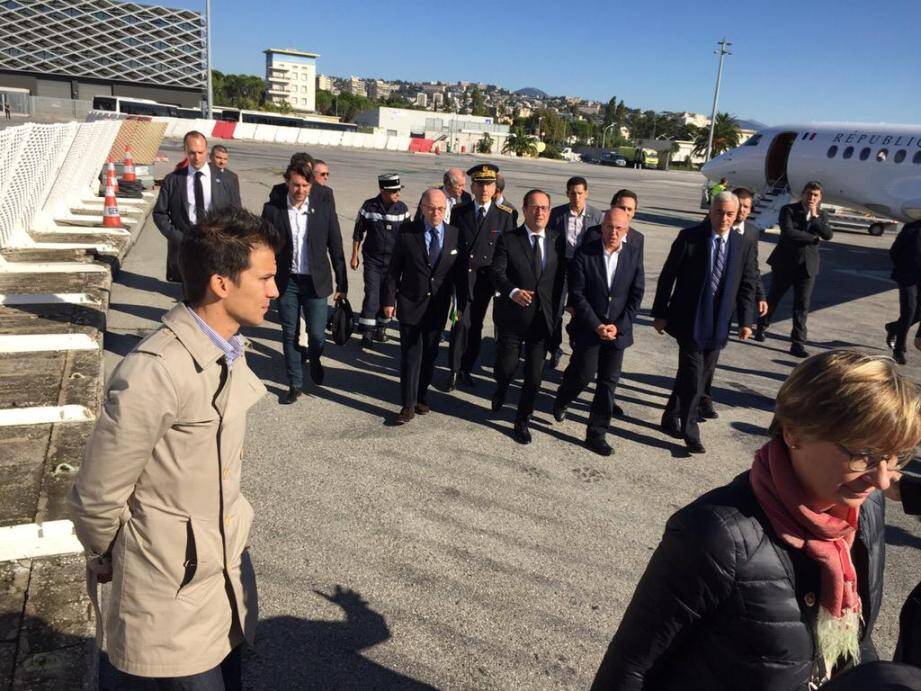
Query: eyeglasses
[322,175]
[866,459]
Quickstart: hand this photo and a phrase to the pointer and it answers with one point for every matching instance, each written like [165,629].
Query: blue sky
[792,61]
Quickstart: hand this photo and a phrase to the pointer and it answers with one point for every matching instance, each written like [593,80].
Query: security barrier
[143,136]
[224,129]
[245,131]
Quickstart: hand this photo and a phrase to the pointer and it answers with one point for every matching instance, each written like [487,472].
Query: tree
[726,135]
[520,143]
[611,111]
[477,102]
[484,146]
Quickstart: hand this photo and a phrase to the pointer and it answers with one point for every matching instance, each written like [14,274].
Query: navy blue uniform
[376,228]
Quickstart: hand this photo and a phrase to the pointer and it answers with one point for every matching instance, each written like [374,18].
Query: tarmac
[441,553]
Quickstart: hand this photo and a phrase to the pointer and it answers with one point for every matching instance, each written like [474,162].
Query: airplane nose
[718,167]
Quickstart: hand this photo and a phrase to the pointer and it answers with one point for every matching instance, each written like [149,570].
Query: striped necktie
[719,265]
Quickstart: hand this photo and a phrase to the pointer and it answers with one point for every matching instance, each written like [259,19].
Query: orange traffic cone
[128,174]
[111,177]
[110,217]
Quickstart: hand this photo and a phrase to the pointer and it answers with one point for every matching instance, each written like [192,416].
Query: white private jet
[868,167]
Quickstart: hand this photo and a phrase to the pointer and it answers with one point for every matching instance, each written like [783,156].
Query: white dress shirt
[575,224]
[740,228]
[610,263]
[205,188]
[298,218]
[542,239]
[477,206]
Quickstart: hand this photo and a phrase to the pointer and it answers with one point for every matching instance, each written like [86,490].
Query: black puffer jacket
[724,604]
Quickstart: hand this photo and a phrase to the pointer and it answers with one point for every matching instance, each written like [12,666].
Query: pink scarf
[823,537]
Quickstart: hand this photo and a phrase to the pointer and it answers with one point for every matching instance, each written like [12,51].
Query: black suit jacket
[682,282]
[558,220]
[512,268]
[752,235]
[233,182]
[479,240]
[797,250]
[417,288]
[171,215]
[633,236]
[905,254]
[595,302]
[323,237]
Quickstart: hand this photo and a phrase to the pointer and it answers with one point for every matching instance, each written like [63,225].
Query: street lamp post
[604,134]
[210,99]
[722,52]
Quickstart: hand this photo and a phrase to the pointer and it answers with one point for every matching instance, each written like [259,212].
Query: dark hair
[192,134]
[531,193]
[500,182]
[299,169]
[320,160]
[812,185]
[221,244]
[743,193]
[620,194]
[302,158]
[576,180]
[220,148]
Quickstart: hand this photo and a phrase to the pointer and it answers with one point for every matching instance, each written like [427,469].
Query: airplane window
[882,155]
[848,152]
[753,140]
[917,159]
[899,156]
[832,151]
[865,153]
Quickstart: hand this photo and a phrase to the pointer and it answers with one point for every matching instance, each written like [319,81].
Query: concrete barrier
[265,133]
[245,131]
[308,136]
[287,135]
[224,129]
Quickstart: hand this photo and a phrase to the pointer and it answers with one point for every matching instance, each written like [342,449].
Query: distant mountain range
[531,92]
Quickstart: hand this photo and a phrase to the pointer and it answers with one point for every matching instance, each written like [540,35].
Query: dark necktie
[480,215]
[719,266]
[199,198]
[434,246]
[537,260]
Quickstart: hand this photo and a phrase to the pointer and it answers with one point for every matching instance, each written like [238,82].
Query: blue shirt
[232,349]
[440,229]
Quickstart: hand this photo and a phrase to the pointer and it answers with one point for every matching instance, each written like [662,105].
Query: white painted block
[44,343]
[47,299]
[43,415]
[30,541]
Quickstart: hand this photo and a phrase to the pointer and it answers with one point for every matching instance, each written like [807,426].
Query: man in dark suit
[795,262]
[572,220]
[186,195]
[704,278]
[527,272]
[426,269]
[480,222]
[751,234]
[606,285]
[307,221]
[220,157]
[905,254]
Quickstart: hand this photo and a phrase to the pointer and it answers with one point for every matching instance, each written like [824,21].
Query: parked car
[569,155]
[588,158]
[612,158]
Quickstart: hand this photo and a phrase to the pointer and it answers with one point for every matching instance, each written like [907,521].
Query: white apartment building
[291,76]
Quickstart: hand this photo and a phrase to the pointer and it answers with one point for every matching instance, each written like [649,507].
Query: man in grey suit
[220,157]
[570,220]
[187,195]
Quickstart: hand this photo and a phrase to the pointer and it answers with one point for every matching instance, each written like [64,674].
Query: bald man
[606,285]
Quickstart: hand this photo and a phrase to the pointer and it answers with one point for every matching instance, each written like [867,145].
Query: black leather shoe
[672,428]
[708,413]
[366,340]
[522,434]
[498,400]
[559,411]
[890,335]
[303,352]
[599,446]
[405,415]
[380,334]
[423,409]
[797,350]
[466,379]
[694,446]
[451,381]
[900,358]
[317,373]
[617,411]
[554,360]
[759,333]
[293,394]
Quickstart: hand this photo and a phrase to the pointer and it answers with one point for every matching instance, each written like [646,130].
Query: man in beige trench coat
[157,501]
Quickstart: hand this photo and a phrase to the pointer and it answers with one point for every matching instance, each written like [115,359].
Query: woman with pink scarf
[774,581]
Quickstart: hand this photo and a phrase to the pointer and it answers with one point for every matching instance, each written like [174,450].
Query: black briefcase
[342,322]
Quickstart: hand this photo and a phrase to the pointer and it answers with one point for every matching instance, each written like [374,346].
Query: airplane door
[775,164]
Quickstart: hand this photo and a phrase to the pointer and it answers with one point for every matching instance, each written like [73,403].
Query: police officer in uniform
[377,225]
[480,221]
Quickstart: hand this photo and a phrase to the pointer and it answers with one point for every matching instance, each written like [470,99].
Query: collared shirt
[610,263]
[809,215]
[477,206]
[575,225]
[440,229]
[542,239]
[298,218]
[740,228]
[190,190]
[714,246]
[232,349]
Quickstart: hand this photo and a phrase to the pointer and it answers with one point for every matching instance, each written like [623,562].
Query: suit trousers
[599,358]
[690,382]
[300,296]
[909,314]
[802,286]
[375,274]
[418,352]
[508,345]
[706,398]
[467,335]
[228,676]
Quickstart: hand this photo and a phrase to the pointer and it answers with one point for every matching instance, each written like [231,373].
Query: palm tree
[726,135]
[520,143]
